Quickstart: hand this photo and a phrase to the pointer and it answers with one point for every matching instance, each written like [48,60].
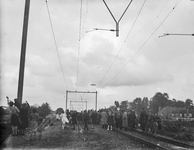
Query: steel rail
[141,140]
[170,143]
[167,139]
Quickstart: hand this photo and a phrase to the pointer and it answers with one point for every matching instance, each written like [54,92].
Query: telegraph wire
[79,44]
[55,43]
[123,43]
[142,45]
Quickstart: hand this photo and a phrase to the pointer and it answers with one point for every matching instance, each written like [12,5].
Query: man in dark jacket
[74,119]
[143,119]
[110,120]
[86,119]
[133,118]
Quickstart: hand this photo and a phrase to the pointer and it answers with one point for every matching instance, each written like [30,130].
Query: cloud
[38,66]
[140,72]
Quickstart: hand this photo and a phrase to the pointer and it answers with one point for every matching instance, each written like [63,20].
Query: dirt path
[56,138]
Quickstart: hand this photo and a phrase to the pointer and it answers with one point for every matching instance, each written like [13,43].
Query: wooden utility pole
[23,51]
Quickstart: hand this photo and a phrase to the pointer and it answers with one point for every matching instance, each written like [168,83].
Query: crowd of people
[120,119]
[19,116]
[22,119]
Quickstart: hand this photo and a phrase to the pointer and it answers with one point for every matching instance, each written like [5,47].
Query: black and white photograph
[97,74]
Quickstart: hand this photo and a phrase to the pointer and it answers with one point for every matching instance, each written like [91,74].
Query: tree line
[158,101]
[43,110]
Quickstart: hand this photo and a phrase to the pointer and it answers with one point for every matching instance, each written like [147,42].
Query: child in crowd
[34,117]
[41,125]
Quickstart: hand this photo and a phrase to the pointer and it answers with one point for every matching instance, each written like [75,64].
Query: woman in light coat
[64,120]
[104,119]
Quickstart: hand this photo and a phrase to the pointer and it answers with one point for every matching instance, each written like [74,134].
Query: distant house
[168,112]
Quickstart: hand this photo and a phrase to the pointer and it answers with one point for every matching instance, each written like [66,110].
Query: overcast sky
[136,64]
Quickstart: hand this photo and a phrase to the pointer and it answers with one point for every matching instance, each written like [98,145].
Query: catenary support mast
[117,22]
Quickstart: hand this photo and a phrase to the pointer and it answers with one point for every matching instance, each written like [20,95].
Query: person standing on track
[120,119]
[133,119]
[15,122]
[74,119]
[64,120]
[93,119]
[143,119]
[34,116]
[86,119]
[117,118]
[110,121]
[103,119]
[24,115]
[125,121]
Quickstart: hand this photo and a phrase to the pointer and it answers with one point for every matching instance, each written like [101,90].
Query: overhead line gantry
[81,92]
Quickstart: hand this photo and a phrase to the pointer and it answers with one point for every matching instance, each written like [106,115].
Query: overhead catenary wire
[142,45]
[163,7]
[143,28]
[85,15]
[123,43]
[177,2]
[78,57]
[157,17]
[55,43]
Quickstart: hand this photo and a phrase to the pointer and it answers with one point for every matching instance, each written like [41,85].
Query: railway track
[156,141]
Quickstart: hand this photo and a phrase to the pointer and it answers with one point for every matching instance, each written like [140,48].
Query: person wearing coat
[14,111]
[120,120]
[103,119]
[24,115]
[116,119]
[131,119]
[64,120]
[110,120]
[34,117]
[125,121]
[143,119]
[74,119]
[86,119]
